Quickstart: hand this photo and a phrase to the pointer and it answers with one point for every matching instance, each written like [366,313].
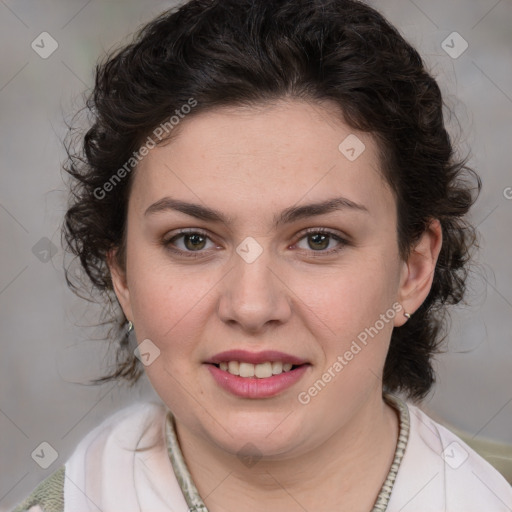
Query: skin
[250,164]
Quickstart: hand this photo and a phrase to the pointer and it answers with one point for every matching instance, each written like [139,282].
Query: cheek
[343,301]
[344,316]
[163,302]
[170,309]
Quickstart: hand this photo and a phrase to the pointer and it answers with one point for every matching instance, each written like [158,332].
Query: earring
[408,315]
[130,327]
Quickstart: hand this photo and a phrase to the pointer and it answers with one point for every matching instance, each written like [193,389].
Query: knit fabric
[48,496]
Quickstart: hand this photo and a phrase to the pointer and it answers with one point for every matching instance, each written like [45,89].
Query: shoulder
[126,425]
[111,443]
[123,464]
[132,428]
[439,471]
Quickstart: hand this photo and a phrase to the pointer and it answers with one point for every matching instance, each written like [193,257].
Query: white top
[438,471]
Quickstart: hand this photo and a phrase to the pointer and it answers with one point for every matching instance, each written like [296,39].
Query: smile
[256,387]
[260,371]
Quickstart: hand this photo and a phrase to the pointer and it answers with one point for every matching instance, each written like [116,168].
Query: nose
[254,296]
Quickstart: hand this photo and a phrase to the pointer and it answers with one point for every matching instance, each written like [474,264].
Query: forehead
[272,156]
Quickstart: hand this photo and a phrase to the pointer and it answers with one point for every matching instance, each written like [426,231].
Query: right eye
[192,241]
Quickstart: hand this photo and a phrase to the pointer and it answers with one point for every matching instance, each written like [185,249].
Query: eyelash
[200,253]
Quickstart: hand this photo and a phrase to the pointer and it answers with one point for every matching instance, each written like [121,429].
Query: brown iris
[318,239]
[197,241]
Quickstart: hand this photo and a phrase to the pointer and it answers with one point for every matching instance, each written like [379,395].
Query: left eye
[319,241]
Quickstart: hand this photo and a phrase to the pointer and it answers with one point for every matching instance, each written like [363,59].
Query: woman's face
[263,278]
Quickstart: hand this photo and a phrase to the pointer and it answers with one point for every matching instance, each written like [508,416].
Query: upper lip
[244,356]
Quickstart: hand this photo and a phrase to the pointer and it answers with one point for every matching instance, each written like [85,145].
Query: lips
[251,385]
[257,388]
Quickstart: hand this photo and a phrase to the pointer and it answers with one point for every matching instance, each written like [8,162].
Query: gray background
[47,351]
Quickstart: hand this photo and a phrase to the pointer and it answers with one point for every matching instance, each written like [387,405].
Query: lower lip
[252,387]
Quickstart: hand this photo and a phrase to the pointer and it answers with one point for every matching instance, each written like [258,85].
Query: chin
[256,437]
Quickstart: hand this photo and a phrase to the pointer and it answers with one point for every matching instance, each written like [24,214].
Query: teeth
[261,371]
[234,367]
[277,367]
[246,370]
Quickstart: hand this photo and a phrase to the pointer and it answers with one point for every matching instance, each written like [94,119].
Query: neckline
[195,503]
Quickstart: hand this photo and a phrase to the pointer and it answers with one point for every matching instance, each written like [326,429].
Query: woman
[270,196]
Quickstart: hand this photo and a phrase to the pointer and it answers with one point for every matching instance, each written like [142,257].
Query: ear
[119,282]
[417,272]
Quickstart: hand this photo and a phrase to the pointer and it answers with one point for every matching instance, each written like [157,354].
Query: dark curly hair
[248,52]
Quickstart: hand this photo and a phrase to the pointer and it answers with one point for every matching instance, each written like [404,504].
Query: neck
[345,472]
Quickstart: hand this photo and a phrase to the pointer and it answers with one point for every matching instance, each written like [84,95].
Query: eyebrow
[287,216]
